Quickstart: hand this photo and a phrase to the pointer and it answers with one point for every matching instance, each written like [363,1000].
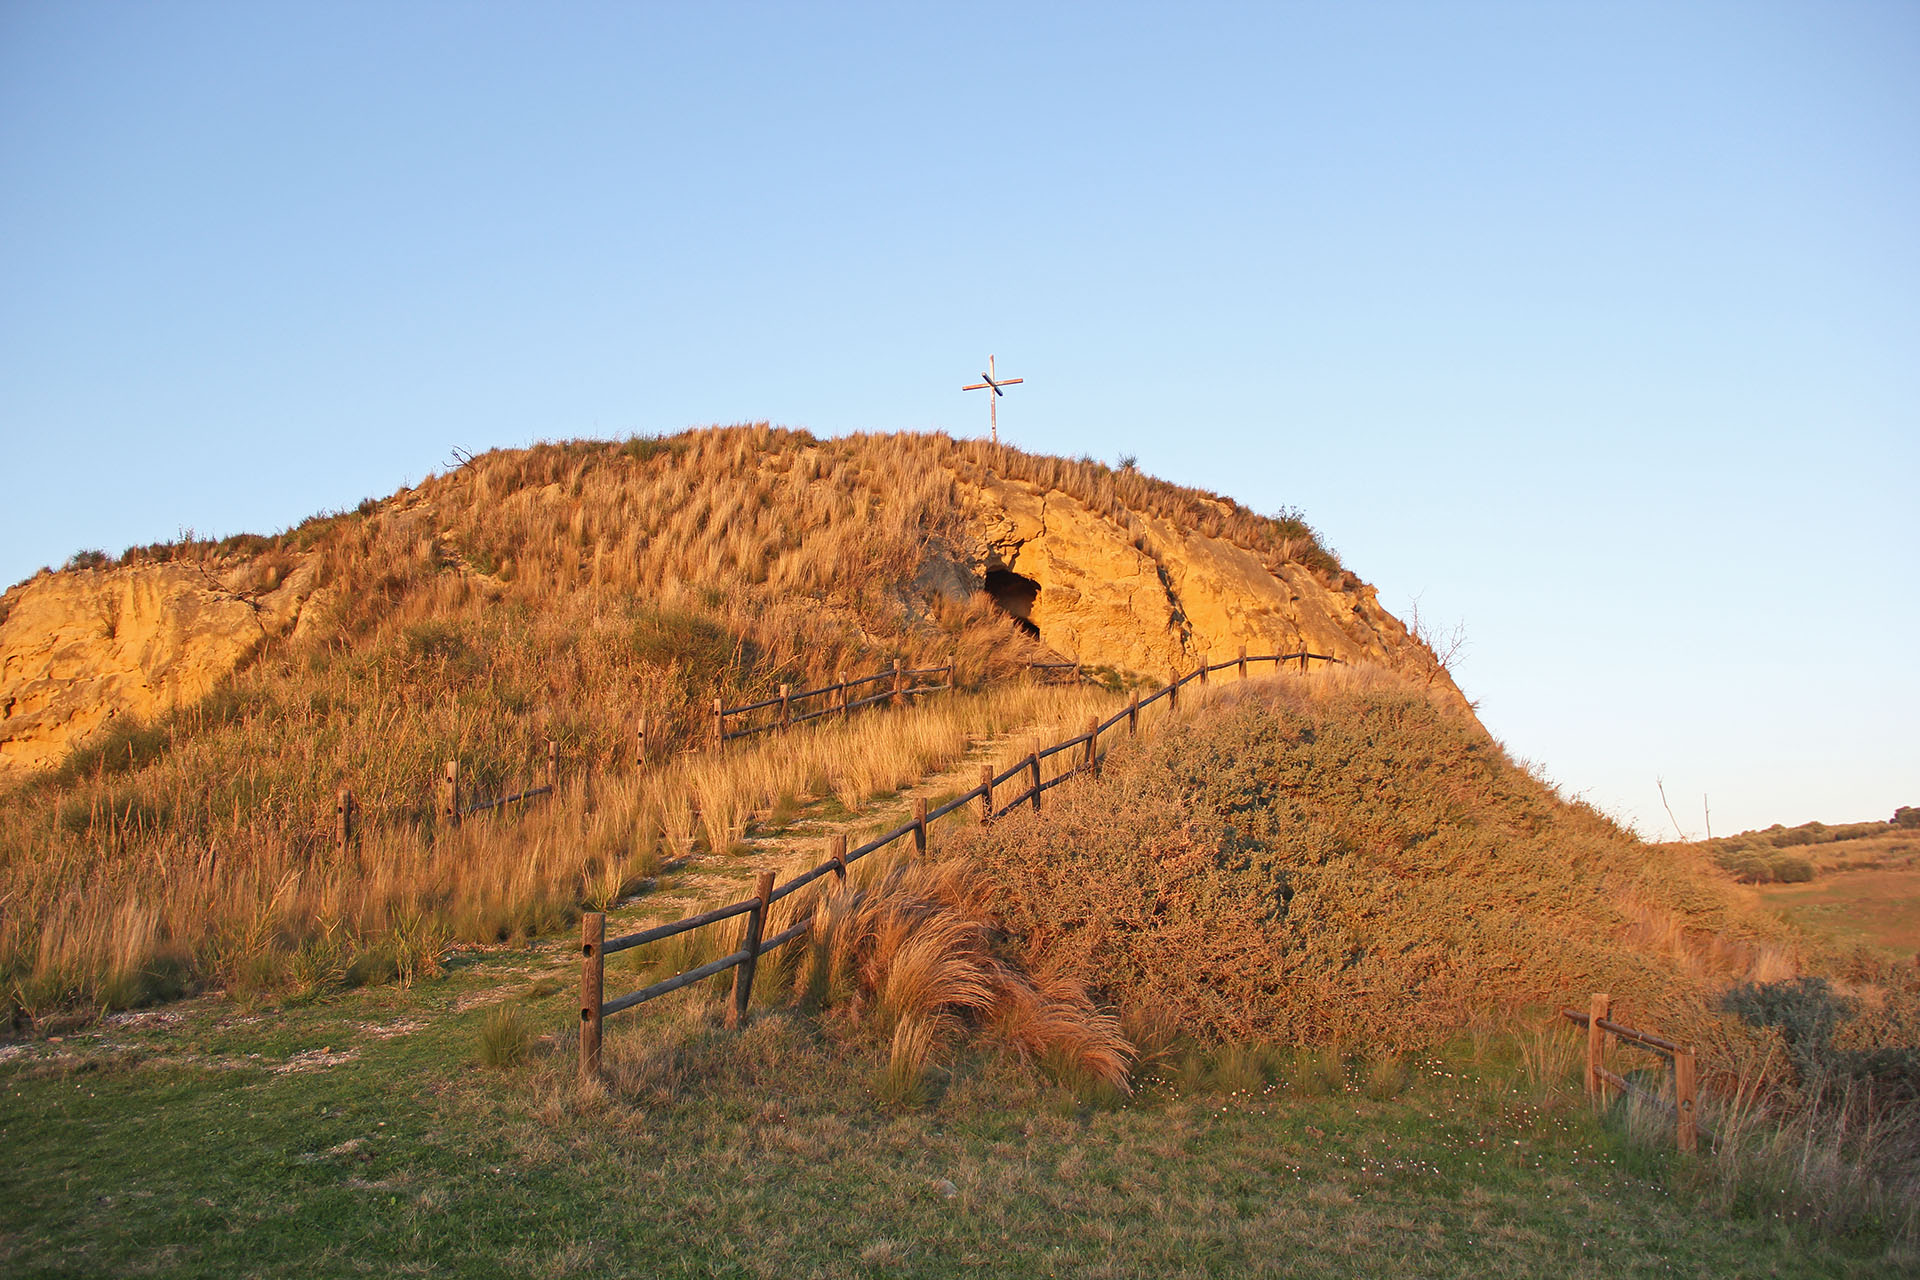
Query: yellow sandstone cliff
[81,647]
[1153,597]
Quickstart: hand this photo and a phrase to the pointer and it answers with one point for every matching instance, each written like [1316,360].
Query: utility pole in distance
[992,382]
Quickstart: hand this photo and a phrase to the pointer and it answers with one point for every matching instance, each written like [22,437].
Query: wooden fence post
[450,794]
[840,678]
[786,706]
[1303,662]
[1243,662]
[1597,1010]
[743,974]
[1093,745]
[343,821]
[640,743]
[719,721]
[837,854]
[1686,1126]
[1173,691]
[896,684]
[920,825]
[1206,660]
[986,794]
[593,965]
[1033,767]
[1133,715]
[553,765]
[1076,673]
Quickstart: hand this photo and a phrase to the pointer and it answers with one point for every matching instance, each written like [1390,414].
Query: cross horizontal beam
[1003,382]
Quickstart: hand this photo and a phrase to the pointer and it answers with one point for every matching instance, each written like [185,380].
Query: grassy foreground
[360,1134]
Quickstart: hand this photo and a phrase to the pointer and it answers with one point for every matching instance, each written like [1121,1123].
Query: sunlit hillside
[562,592]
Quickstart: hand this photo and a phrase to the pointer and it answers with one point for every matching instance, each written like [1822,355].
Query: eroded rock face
[81,647]
[1151,597]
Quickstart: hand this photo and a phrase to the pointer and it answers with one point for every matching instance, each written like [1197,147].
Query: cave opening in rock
[1015,594]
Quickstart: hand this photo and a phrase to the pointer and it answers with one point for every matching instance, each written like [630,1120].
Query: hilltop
[719,561]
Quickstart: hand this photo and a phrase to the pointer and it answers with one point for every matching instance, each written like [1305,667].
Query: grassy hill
[559,592]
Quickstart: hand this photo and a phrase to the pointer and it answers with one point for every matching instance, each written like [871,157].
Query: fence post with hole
[343,821]
[719,721]
[640,743]
[1684,1098]
[1597,1011]
[553,765]
[450,794]
[756,926]
[837,855]
[986,794]
[593,965]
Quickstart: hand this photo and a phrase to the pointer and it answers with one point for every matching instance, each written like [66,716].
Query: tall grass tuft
[504,1036]
[908,948]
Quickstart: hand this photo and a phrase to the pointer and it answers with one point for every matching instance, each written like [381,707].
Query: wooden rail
[896,685]
[1600,1028]
[452,805]
[993,802]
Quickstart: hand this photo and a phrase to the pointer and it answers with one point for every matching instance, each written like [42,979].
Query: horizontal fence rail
[897,684]
[1598,1079]
[993,802]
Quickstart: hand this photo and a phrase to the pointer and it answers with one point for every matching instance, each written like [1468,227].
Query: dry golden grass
[408,890]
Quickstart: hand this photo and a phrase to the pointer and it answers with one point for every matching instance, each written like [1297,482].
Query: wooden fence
[451,803]
[896,685]
[1685,1090]
[993,802]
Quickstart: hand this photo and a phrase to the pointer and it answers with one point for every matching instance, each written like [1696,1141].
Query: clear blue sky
[1596,329]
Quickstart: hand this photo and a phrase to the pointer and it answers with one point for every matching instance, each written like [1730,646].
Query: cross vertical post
[993,382]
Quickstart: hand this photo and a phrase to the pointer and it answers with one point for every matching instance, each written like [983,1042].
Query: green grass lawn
[358,1135]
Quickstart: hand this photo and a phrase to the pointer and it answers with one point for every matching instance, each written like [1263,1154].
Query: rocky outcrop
[79,648]
[1147,596]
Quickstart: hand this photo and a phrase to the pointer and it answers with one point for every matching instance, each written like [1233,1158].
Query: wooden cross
[993,384]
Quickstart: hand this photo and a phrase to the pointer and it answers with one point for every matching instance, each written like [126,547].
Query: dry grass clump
[504,1036]
[911,952]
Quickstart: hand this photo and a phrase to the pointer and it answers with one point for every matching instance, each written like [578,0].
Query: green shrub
[1792,870]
